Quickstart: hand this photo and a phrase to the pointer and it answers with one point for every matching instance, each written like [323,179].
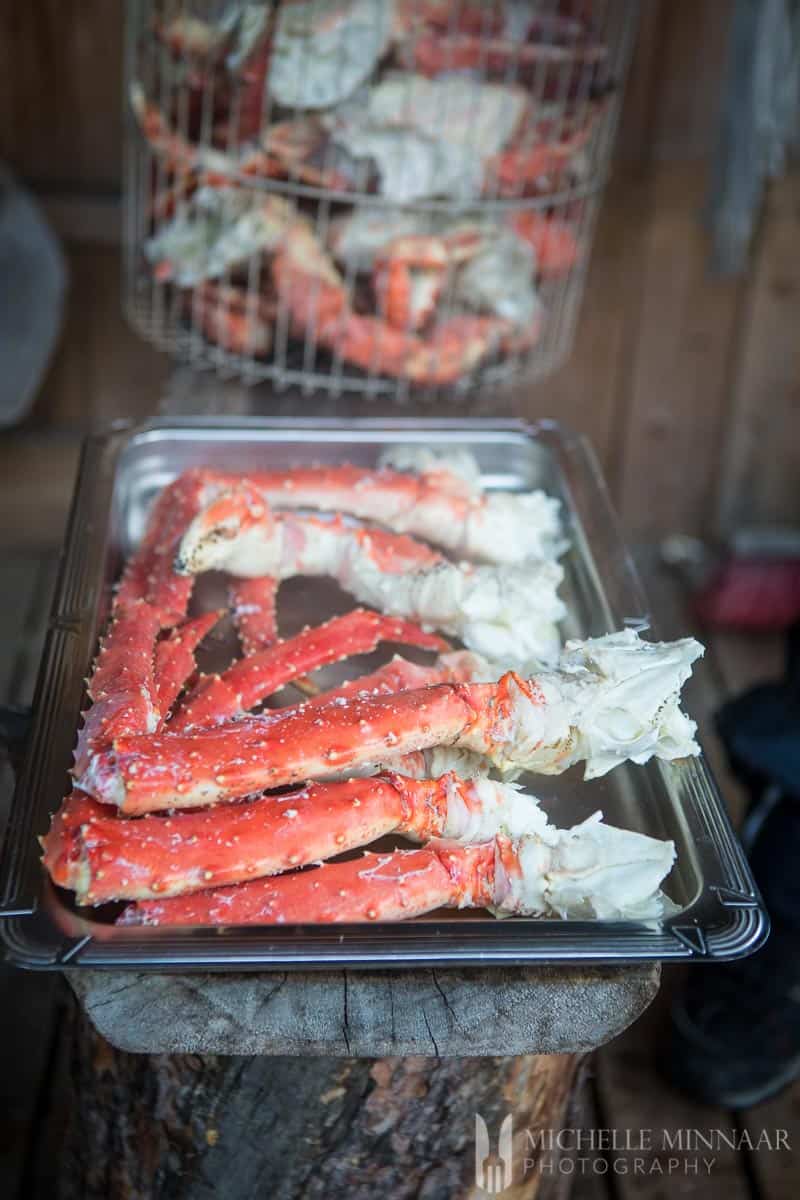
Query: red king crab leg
[231,319]
[128,687]
[135,679]
[149,575]
[117,859]
[61,843]
[508,615]
[180,155]
[250,680]
[612,699]
[432,55]
[553,241]
[122,687]
[448,352]
[313,292]
[174,658]
[592,868]
[307,281]
[400,675]
[241,758]
[253,607]
[377,887]
[292,149]
[408,276]
[432,503]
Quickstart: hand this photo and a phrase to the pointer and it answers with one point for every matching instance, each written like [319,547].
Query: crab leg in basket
[231,319]
[313,293]
[612,699]
[507,614]
[591,869]
[250,680]
[409,275]
[102,857]
[432,503]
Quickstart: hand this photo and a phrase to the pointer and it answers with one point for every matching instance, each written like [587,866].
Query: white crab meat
[323,50]
[478,116]
[429,137]
[608,700]
[423,460]
[503,527]
[218,229]
[591,870]
[500,280]
[486,808]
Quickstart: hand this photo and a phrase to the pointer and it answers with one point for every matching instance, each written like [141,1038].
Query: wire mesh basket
[379,196]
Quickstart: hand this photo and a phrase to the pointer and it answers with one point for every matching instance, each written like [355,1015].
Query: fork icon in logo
[495,1176]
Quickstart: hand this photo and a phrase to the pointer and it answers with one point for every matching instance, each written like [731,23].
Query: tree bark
[189,1127]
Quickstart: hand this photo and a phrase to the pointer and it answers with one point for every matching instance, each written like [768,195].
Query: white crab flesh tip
[610,700]
[636,711]
[593,869]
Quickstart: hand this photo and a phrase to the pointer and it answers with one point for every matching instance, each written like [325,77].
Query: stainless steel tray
[720,913]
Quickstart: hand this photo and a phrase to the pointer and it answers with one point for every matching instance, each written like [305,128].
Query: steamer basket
[481,128]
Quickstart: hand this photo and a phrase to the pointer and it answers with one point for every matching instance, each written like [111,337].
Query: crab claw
[227,532]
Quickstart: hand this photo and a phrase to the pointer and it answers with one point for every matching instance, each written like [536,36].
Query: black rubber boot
[734,1037]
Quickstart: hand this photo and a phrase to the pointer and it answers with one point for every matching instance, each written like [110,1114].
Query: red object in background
[753,594]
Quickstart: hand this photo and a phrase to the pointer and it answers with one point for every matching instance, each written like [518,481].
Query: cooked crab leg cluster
[175,804]
[168,856]
[384,106]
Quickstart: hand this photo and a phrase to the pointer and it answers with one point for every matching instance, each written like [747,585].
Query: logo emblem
[493,1176]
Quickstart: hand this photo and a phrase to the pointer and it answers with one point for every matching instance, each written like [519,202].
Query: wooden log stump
[319,1085]
[191,1127]
[367,1014]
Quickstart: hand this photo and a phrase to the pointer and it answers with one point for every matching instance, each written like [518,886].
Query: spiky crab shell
[252,679]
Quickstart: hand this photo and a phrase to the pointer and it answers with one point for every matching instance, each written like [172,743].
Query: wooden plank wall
[60,92]
[688,386]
